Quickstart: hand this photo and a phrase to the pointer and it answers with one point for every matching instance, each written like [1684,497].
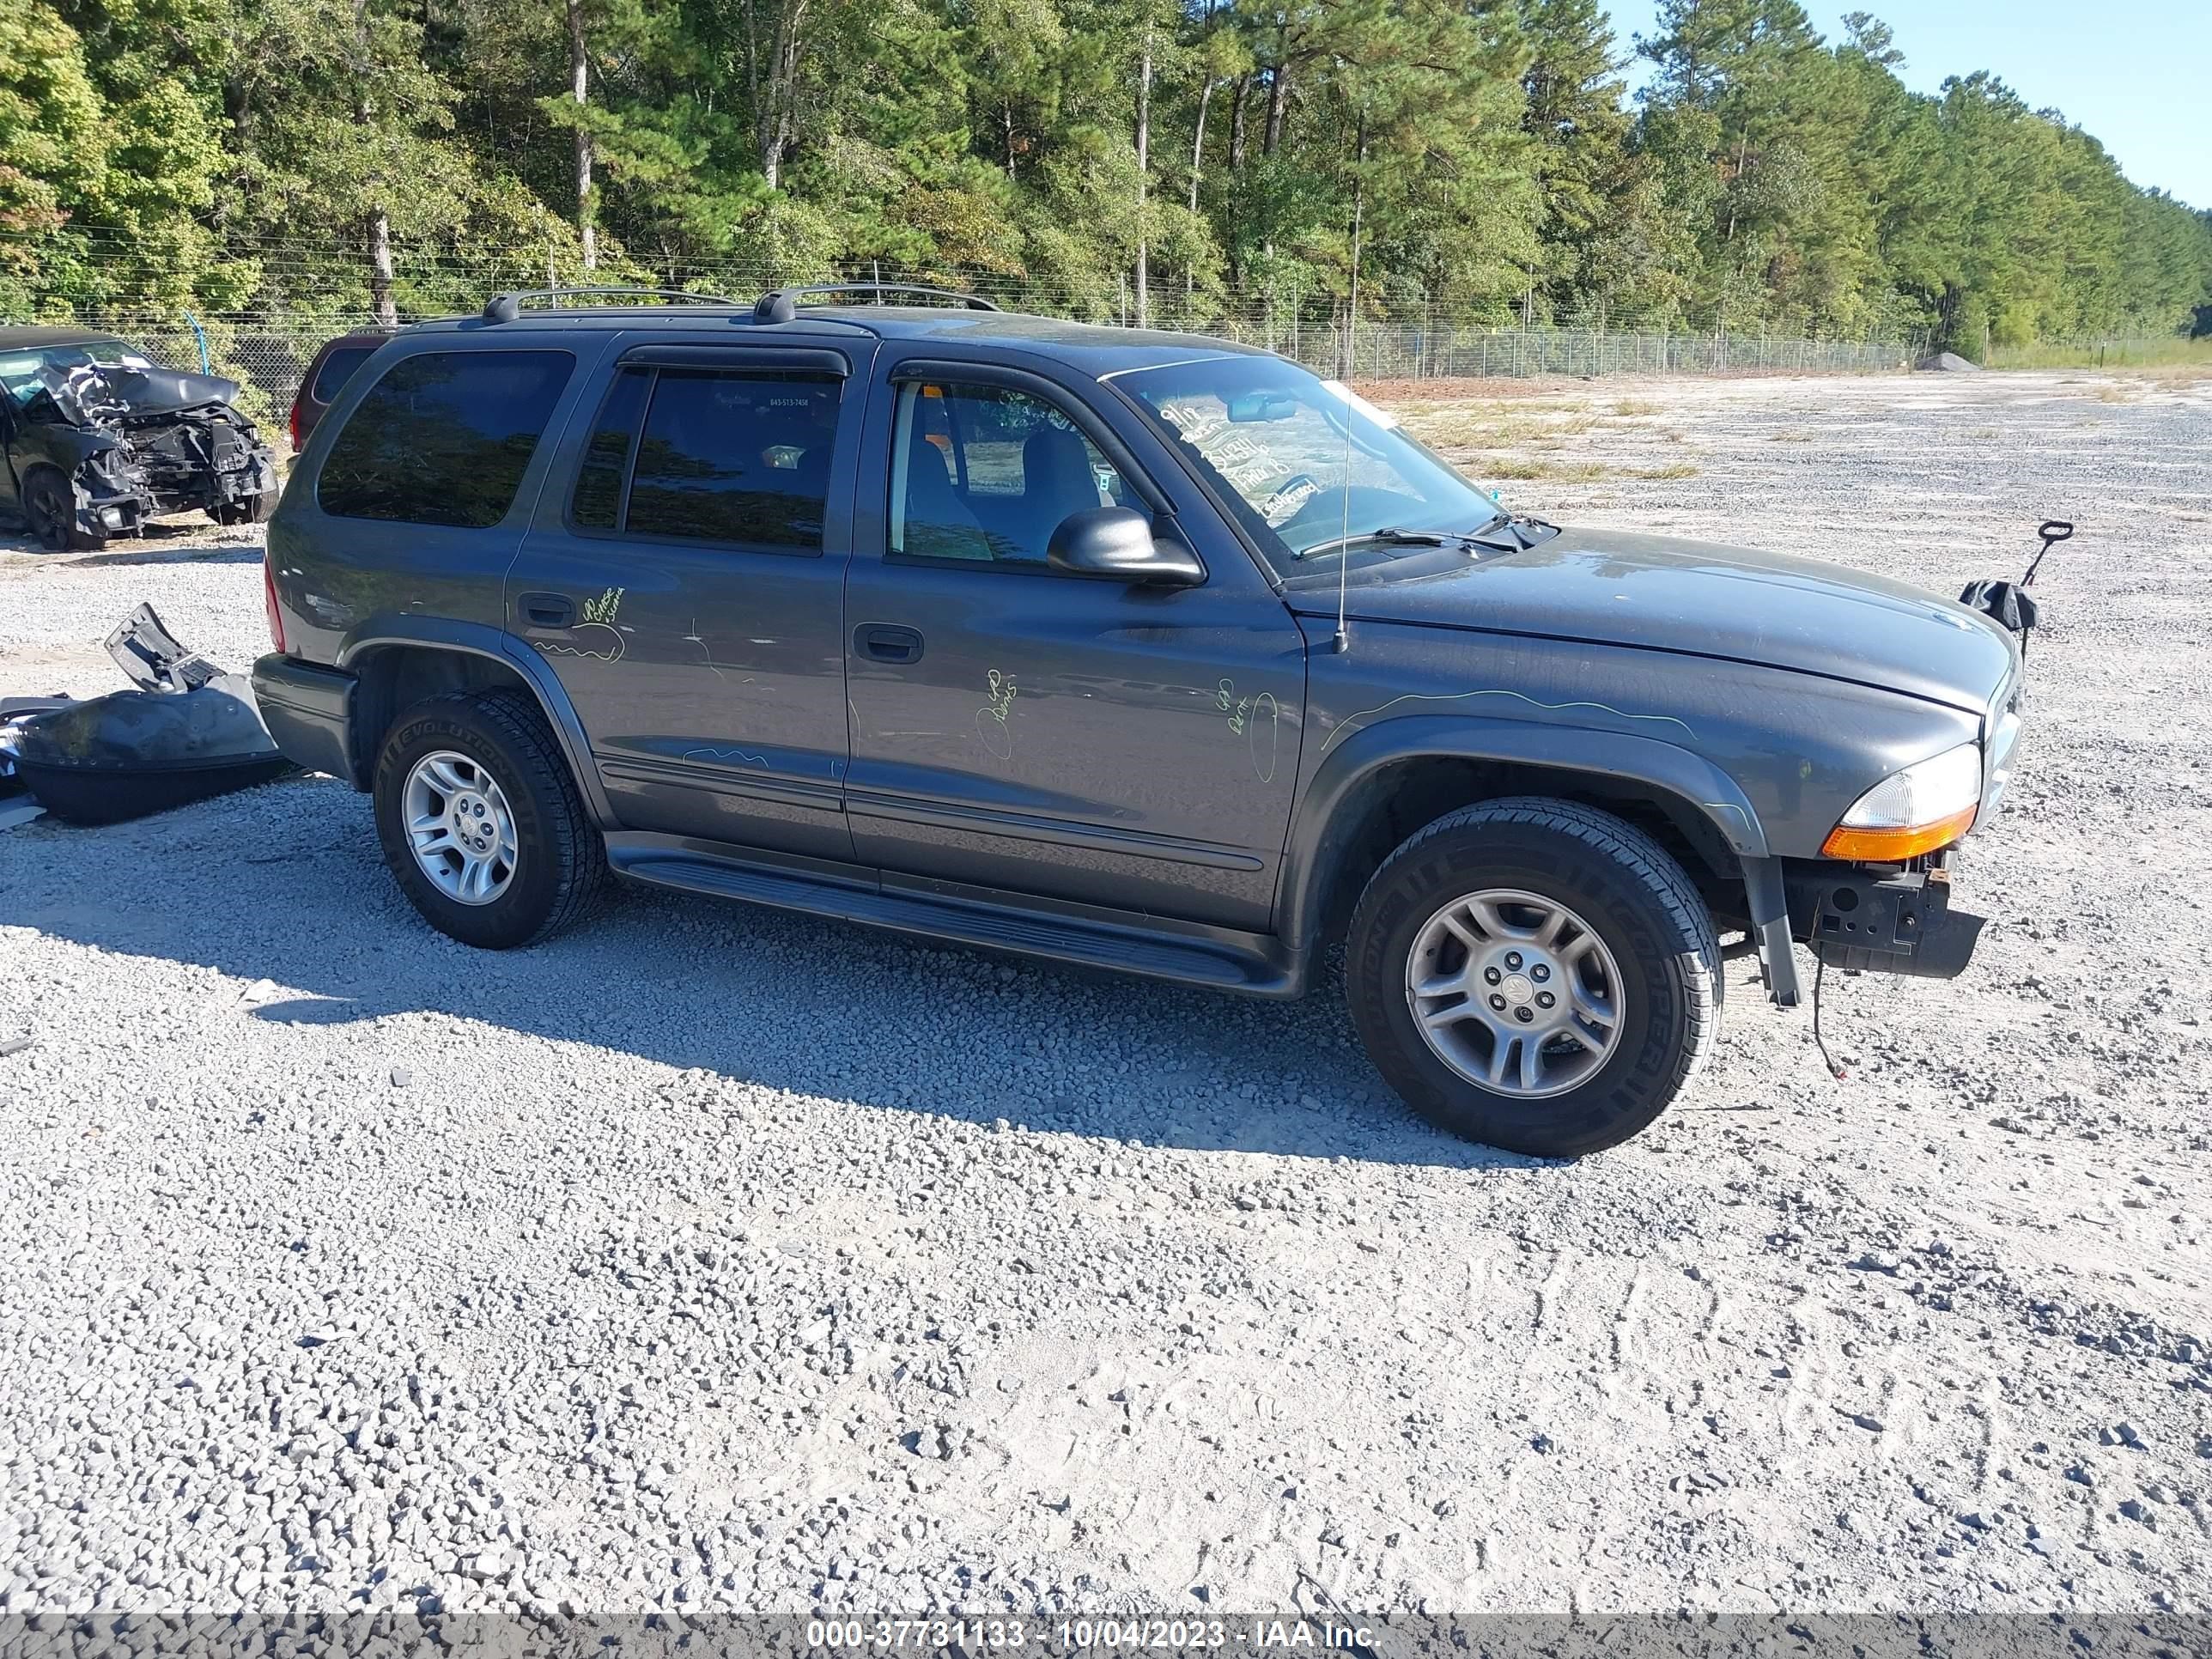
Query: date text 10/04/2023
[1067,1636]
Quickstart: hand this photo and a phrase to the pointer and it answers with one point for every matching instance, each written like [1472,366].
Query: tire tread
[578,852]
[1635,854]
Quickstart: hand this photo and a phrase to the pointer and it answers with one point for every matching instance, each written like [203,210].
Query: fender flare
[1322,823]
[482,640]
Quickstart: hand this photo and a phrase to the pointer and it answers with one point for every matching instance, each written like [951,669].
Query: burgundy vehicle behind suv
[325,377]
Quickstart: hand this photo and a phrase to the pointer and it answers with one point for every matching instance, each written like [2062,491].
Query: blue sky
[2135,73]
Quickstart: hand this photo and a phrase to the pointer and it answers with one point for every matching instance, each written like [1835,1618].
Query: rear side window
[338,369]
[444,438]
[737,458]
[597,501]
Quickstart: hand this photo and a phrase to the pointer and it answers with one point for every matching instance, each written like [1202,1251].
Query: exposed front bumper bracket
[1895,923]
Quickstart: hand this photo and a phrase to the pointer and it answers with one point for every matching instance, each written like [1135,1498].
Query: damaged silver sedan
[99,439]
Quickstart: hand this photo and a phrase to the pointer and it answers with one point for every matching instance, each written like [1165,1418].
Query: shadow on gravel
[243,553]
[158,544]
[285,884]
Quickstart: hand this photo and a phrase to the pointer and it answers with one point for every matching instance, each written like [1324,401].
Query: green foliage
[1400,159]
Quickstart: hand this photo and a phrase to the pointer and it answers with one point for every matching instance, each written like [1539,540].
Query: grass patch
[1636,406]
[1791,438]
[2176,373]
[1519,468]
[1503,431]
[2166,351]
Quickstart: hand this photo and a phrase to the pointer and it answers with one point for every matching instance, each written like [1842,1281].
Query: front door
[687,588]
[1019,729]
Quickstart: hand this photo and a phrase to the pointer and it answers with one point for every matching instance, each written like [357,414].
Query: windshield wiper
[1527,529]
[1390,535]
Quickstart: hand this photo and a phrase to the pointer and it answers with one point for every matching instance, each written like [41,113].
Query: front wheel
[481,823]
[50,513]
[1534,974]
[245,509]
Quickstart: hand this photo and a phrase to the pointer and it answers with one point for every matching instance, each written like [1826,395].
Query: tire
[1654,951]
[559,862]
[247,509]
[50,513]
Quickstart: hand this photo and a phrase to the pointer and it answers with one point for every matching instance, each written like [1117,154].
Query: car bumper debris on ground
[187,732]
[704,1259]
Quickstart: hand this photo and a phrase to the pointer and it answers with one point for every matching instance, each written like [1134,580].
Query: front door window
[986,474]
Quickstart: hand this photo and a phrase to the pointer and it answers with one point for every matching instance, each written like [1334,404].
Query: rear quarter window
[338,369]
[444,438]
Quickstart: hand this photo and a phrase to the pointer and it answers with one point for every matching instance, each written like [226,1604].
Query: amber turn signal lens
[1888,846]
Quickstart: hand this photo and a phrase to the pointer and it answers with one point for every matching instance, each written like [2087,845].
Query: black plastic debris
[13,712]
[152,660]
[194,732]
[2007,604]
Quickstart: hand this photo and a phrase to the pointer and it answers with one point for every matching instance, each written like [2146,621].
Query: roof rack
[781,305]
[506,307]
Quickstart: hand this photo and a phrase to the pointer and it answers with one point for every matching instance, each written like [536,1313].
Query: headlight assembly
[1930,804]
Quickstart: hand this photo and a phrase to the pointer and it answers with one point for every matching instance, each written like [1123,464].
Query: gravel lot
[705,1258]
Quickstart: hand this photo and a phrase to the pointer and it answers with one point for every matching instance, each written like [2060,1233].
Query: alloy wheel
[459,827]
[1515,991]
[47,510]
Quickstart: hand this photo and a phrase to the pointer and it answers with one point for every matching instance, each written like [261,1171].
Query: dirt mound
[1948,362]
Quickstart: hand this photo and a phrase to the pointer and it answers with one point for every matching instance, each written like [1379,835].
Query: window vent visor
[743,360]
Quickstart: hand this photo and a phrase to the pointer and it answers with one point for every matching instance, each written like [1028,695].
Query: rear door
[684,579]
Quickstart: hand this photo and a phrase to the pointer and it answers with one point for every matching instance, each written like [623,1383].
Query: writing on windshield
[1308,463]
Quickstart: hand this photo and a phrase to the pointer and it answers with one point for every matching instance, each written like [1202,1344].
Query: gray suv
[1136,650]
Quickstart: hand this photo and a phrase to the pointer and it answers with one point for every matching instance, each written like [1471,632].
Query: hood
[87,396]
[1660,593]
[162,390]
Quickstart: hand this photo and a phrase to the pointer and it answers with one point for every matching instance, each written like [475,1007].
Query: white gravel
[710,1258]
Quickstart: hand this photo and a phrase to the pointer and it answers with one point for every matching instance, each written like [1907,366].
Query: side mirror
[1116,544]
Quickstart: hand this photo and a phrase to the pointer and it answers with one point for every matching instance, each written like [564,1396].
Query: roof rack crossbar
[781,305]
[506,307]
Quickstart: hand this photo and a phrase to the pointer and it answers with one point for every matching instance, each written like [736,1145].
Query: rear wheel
[1534,974]
[481,823]
[50,513]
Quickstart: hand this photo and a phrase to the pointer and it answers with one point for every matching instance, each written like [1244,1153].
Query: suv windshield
[1310,468]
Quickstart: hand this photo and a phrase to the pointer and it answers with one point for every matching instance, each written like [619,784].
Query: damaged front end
[152,442]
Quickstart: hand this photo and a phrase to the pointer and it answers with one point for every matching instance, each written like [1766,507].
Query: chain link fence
[269,361]
[1451,353]
[310,290]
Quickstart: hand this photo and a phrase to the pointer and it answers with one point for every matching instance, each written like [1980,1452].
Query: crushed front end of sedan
[99,440]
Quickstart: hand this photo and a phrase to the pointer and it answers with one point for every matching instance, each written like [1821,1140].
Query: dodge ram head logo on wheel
[1136,650]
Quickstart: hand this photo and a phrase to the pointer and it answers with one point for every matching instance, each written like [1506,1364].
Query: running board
[1217,959]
